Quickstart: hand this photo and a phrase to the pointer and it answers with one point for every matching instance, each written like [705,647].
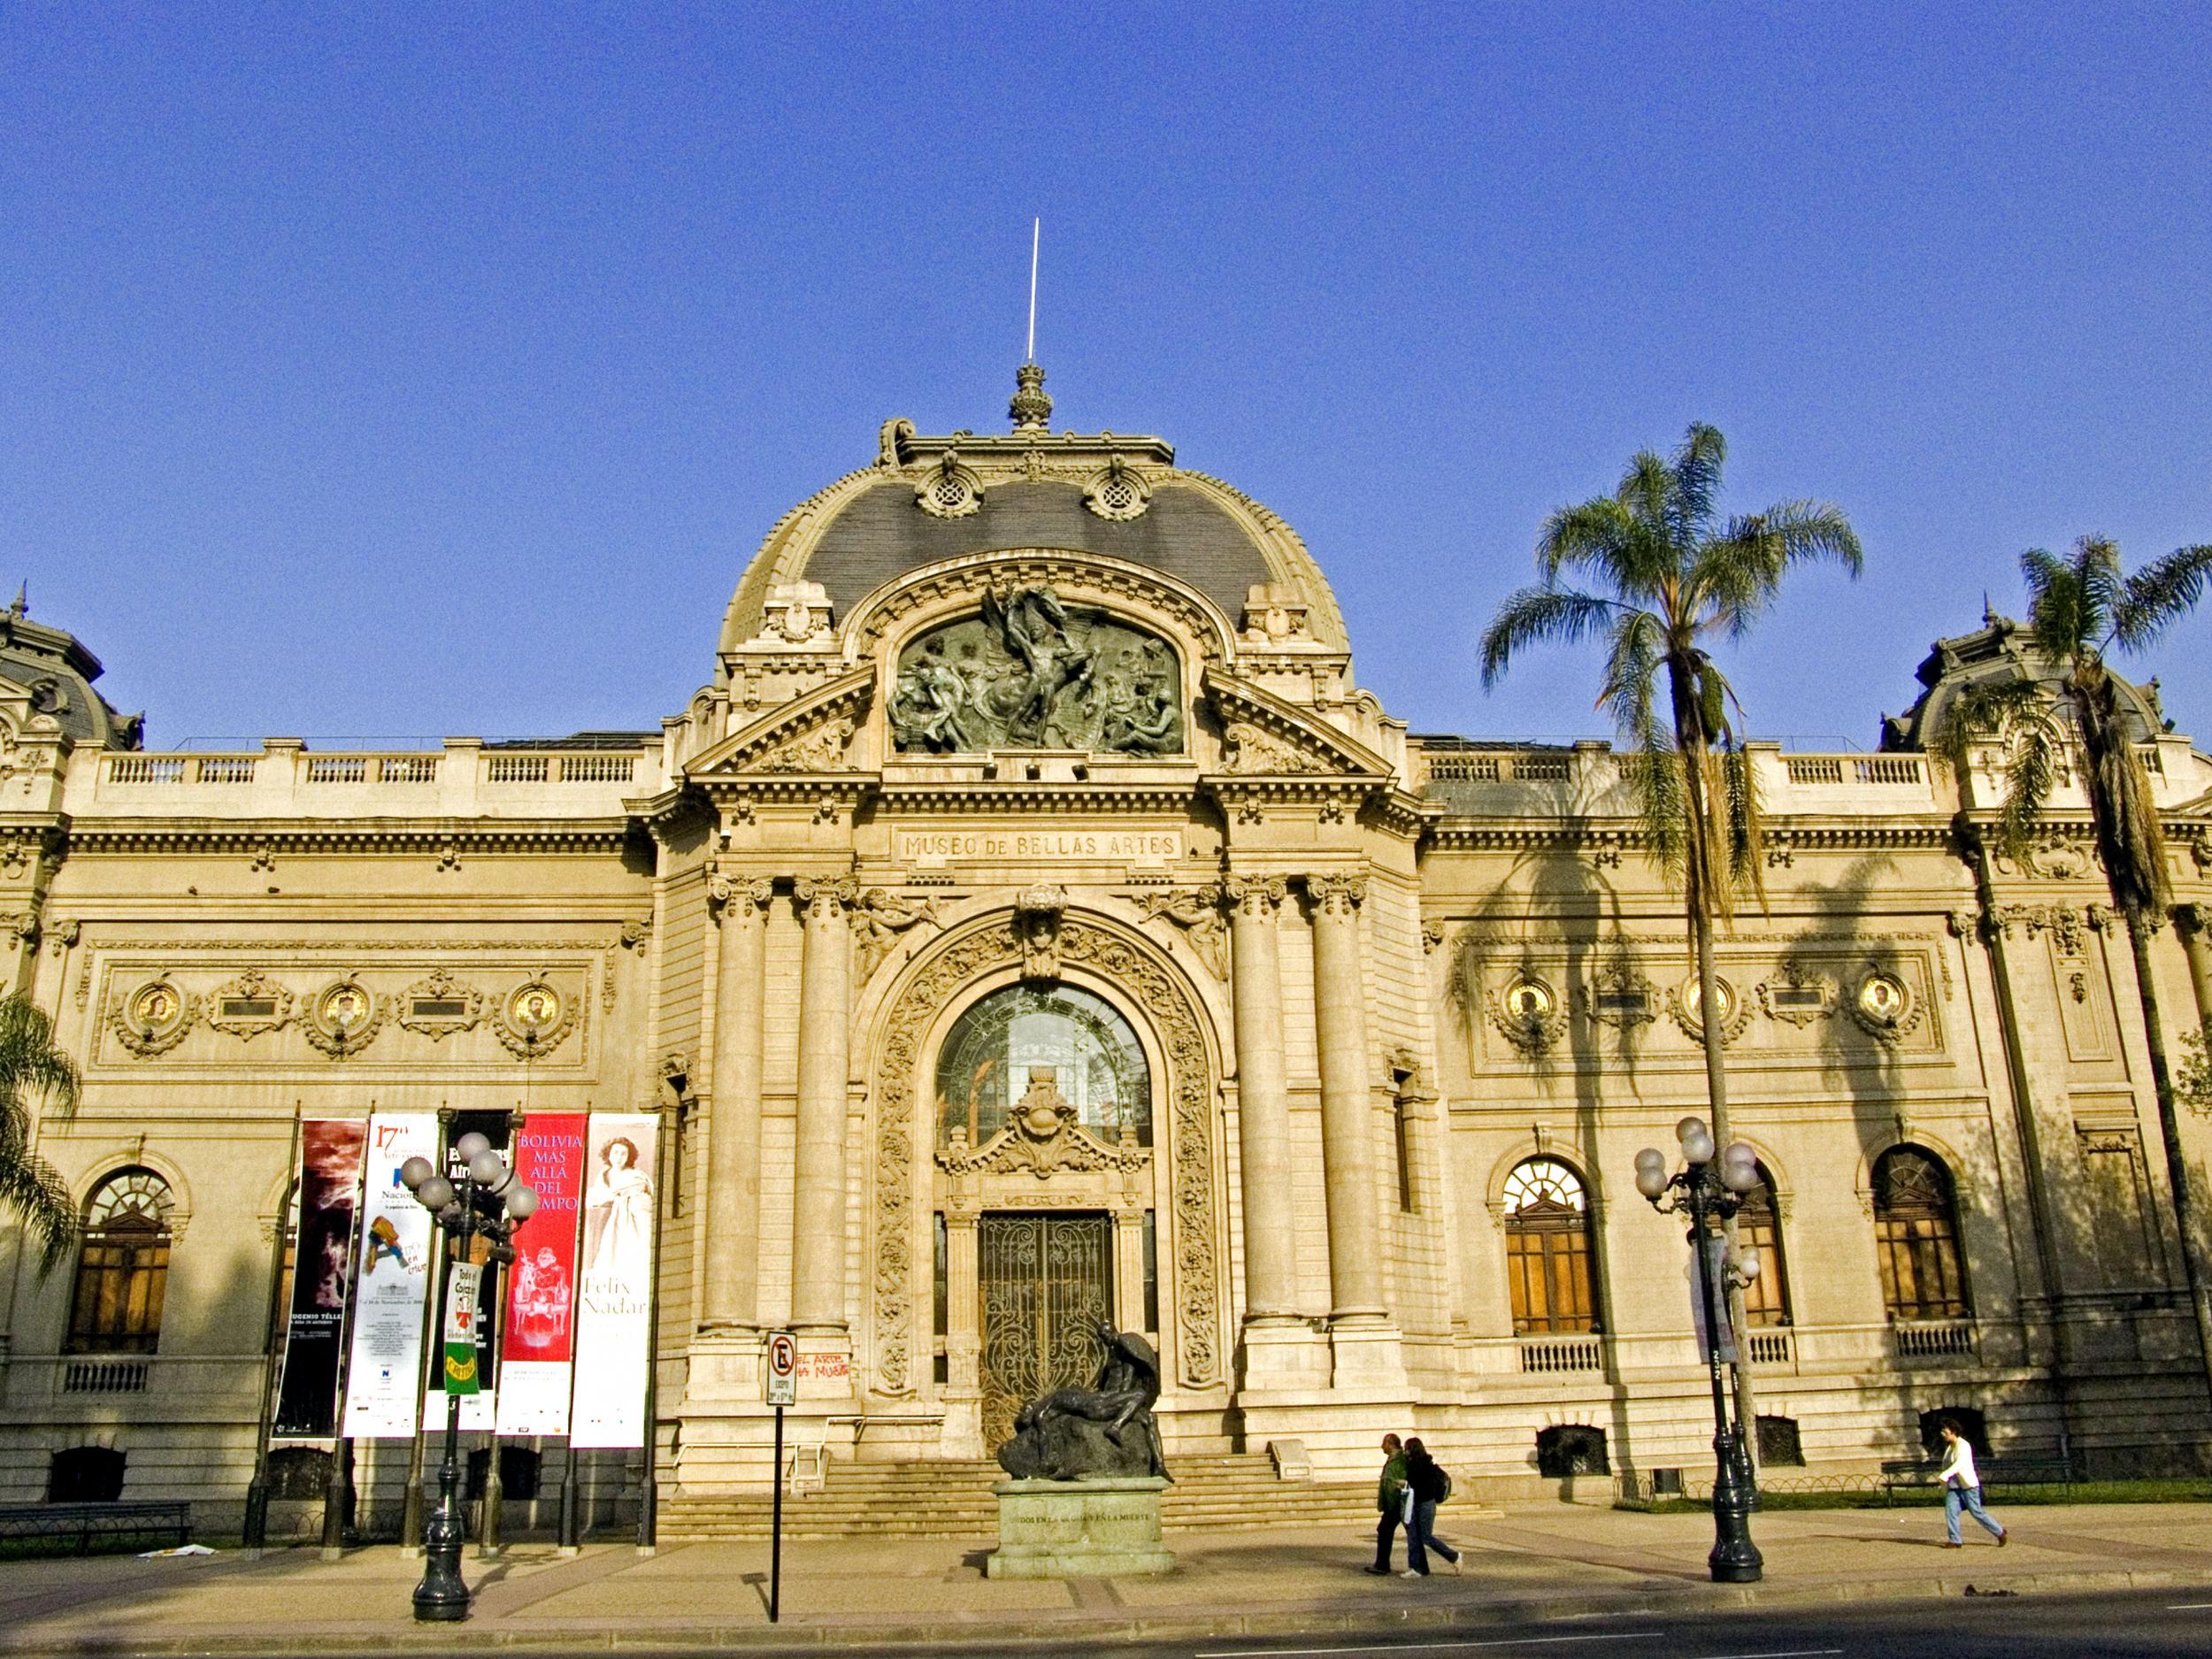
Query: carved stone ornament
[797,613]
[1252,751]
[1798,996]
[2053,859]
[1683,1001]
[1195,1264]
[1885,1006]
[822,749]
[1274,613]
[1197,911]
[154,1018]
[1619,995]
[736,898]
[1042,1136]
[1037,913]
[534,1018]
[249,1005]
[950,490]
[343,1016]
[1031,406]
[879,918]
[1029,671]
[1117,492]
[1530,1014]
[440,1005]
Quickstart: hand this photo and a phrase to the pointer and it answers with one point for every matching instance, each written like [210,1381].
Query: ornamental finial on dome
[1031,408]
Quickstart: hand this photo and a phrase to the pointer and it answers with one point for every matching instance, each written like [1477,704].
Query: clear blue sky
[417,370]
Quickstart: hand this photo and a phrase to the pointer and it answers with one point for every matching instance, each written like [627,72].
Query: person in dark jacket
[1390,1498]
[1425,1482]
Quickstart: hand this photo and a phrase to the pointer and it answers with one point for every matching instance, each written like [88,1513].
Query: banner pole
[649,1494]
[775,1530]
[410,1511]
[255,1535]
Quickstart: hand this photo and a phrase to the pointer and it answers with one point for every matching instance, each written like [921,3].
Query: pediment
[1265,736]
[811,733]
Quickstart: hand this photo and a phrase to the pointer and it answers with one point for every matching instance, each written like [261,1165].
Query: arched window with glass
[1917,1233]
[1766,1298]
[1024,1038]
[122,1266]
[1547,1254]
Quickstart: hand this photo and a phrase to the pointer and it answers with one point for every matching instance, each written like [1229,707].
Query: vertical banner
[384,1370]
[322,1262]
[463,1375]
[537,1347]
[1717,1259]
[614,1335]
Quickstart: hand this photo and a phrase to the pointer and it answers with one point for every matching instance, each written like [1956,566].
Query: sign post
[781,1380]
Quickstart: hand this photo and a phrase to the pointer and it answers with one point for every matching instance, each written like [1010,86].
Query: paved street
[1604,1577]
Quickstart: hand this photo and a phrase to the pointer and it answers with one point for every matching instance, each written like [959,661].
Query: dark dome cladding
[882,534]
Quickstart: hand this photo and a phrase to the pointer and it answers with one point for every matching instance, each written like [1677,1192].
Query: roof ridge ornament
[1031,408]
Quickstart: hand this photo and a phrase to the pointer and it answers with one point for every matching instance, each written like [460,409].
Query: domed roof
[931,499]
[1999,650]
[57,672]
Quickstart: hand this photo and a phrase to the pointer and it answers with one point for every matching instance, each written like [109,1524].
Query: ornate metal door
[1047,1283]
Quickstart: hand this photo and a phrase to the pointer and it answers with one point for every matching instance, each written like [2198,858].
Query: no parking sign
[783,1369]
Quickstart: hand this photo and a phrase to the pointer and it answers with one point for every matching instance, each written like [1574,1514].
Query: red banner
[538,1346]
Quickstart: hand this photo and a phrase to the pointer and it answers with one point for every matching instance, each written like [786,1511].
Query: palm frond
[32,1070]
[35,1190]
[1697,472]
[1539,614]
[1983,713]
[1632,673]
[1656,784]
[2131,841]
[1591,537]
[2032,751]
[1744,825]
[2161,594]
[2096,564]
[2055,622]
[1646,491]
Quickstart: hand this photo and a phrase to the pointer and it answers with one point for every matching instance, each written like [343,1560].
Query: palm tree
[31,1069]
[2079,607]
[1666,574]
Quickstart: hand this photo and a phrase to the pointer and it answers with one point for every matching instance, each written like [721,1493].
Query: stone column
[2193,922]
[1347,1111]
[731,1176]
[1262,1100]
[817,1205]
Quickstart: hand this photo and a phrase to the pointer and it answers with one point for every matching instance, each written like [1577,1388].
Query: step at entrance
[954,1500]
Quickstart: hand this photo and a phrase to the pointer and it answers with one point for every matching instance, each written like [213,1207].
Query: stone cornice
[840,700]
[110,836]
[1321,746]
[1468,834]
[991,795]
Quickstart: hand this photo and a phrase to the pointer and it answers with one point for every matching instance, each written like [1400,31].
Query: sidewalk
[1542,1561]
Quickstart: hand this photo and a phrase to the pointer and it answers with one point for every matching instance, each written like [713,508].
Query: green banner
[461,1376]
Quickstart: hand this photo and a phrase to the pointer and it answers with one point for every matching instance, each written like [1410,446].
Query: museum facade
[1033,923]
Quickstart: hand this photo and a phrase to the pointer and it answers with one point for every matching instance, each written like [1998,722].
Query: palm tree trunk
[1710,1023]
[1697,891]
[2141,929]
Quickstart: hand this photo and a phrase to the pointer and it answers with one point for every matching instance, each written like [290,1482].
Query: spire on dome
[1031,408]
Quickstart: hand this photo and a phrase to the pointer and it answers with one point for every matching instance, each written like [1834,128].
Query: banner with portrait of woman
[329,1198]
[614,1316]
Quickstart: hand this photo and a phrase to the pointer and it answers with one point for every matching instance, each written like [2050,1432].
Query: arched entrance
[1044,1157]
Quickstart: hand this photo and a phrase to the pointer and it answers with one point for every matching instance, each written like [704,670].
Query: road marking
[1433,1647]
[2187,1607]
[1782,1653]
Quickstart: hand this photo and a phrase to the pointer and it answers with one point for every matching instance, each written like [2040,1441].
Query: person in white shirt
[1962,1487]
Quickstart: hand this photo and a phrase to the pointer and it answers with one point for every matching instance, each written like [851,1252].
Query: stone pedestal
[1101,1528]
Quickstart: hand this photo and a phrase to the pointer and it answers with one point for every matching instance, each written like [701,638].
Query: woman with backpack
[1426,1486]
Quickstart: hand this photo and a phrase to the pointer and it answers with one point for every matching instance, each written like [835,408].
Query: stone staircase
[952,1500]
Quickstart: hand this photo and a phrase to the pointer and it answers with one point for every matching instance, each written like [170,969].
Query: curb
[1036,1629]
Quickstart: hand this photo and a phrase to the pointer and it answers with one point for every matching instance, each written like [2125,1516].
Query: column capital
[1254,897]
[824,898]
[1336,895]
[739,898]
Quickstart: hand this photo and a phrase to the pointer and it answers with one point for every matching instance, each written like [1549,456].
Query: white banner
[391,1279]
[615,1309]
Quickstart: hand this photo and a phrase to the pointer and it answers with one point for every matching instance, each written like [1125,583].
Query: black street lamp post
[1711,1188]
[489,1201]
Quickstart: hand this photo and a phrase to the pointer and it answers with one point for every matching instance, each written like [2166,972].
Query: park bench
[84,1522]
[1915,1472]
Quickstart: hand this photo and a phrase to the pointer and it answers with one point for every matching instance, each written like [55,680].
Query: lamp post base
[442,1597]
[1735,1558]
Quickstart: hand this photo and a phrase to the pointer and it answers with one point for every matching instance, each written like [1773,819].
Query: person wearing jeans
[1963,1488]
[1424,1490]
